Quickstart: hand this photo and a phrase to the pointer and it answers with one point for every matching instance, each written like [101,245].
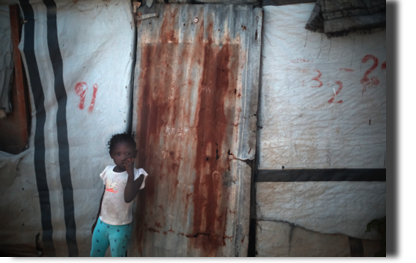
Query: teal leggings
[117,237]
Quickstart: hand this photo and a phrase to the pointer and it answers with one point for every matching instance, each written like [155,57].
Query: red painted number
[365,81]
[94,93]
[317,79]
[81,90]
[340,85]
[383,66]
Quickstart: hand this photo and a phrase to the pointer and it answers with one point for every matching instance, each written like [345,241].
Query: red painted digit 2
[317,79]
[340,85]
[365,81]
[81,90]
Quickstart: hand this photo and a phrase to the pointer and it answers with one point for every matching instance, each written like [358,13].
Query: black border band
[285,2]
[62,129]
[39,139]
[321,175]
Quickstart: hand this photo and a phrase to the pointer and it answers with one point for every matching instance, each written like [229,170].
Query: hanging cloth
[6,62]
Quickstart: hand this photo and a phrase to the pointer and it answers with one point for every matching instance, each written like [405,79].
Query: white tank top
[114,210]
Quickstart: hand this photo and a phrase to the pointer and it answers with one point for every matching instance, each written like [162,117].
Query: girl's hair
[121,137]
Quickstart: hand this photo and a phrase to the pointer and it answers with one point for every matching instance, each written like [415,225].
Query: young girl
[122,183]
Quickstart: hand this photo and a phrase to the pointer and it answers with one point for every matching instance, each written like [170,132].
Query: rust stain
[152,230]
[168,27]
[214,129]
[165,133]
[159,99]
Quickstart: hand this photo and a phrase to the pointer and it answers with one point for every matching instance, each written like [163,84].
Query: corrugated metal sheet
[195,103]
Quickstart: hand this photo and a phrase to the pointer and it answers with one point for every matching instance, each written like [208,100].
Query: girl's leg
[99,243]
[119,239]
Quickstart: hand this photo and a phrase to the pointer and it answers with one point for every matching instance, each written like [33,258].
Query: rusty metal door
[195,103]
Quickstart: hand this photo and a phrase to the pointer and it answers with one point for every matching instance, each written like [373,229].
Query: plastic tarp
[322,105]
[323,102]
[78,57]
[6,64]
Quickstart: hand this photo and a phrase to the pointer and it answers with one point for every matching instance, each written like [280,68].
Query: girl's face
[121,152]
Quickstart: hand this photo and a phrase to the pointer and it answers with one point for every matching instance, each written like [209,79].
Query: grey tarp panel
[195,104]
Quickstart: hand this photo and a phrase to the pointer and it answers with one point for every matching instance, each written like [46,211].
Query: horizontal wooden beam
[321,175]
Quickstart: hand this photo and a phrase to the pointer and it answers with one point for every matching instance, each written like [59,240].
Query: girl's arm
[99,211]
[132,186]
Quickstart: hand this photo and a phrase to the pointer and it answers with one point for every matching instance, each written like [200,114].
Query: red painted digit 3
[365,81]
[317,79]
[81,90]
[340,86]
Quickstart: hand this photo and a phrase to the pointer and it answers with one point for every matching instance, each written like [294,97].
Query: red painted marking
[81,90]
[365,81]
[383,66]
[94,94]
[317,79]
[299,60]
[347,69]
[340,85]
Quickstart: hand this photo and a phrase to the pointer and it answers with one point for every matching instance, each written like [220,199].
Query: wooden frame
[14,129]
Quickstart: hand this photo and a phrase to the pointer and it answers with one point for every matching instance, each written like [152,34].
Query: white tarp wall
[78,57]
[322,106]
[6,55]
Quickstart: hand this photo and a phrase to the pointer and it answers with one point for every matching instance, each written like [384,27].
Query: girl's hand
[129,164]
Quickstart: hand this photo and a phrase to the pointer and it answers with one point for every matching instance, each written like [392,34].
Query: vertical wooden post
[20,106]
[14,133]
